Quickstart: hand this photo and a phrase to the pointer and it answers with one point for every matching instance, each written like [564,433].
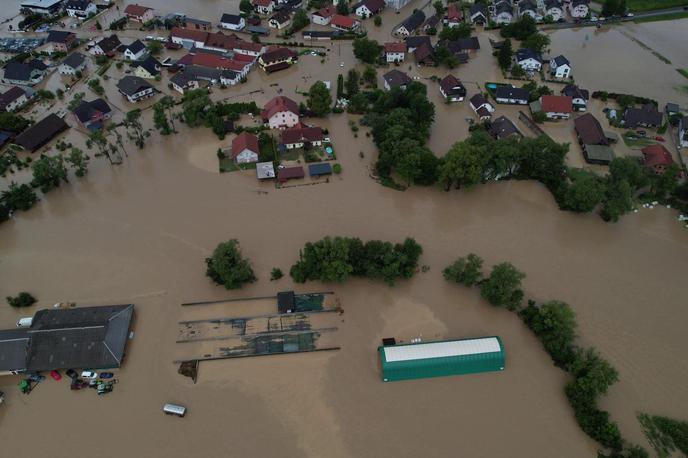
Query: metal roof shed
[439,359]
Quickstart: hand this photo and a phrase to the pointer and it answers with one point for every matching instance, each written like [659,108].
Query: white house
[410,24]
[395,52]
[503,13]
[280,112]
[299,137]
[528,60]
[280,19]
[560,67]
[554,106]
[13,98]
[106,46]
[512,95]
[683,132]
[324,15]
[230,77]
[579,8]
[135,51]
[245,148]
[579,96]
[232,22]
[80,8]
[554,9]
[135,88]
[73,63]
[263,6]
[368,8]
[181,82]
[139,13]
[527,8]
[451,89]
[188,38]
[482,108]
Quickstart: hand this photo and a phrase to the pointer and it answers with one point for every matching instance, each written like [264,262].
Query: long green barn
[443,358]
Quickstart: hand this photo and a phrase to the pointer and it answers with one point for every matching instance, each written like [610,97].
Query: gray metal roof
[74,60]
[13,344]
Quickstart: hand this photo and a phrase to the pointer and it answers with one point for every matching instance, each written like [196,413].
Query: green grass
[650,5]
[665,17]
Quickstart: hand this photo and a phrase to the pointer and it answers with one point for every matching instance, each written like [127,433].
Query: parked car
[89,375]
[71,373]
[659,139]
[55,375]
[105,375]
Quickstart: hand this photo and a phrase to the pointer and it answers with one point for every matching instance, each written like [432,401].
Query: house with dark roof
[41,133]
[42,7]
[232,22]
[482,108]
[182,82]
[503,12]
[135,88]
[263,6]
[510,95]
[528,8]
[579,96]
[589,131]
[431,23]
[12,99]
[579,8]
[107,46]
[414,42]
[301,137]
[410,24]
[452,89]
[245,148]
[503,127]
[285,174]
[554,9]
[395,52]
[683,132]
[478,14]
[195,24]
[368,8]
[528,60]
[92,115]
[80,8]
[560,67]
[277,56]
[24,73]
[645,116]
[82,337]
[425,56]
[148,68]
[657,158]
[463,47]
[73,63]
[139,13]
[59,41]
[280,19]
[319,169]
[395,78]
[135,51]
[280,112]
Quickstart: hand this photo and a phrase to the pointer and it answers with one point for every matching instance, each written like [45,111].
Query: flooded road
[139,233]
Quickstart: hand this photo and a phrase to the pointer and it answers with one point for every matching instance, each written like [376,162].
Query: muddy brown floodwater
[139,233]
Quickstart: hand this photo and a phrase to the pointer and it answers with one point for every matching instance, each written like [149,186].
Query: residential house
[683,132]
[431,24]
[395,52]
[324,15]
[395,78]
[41,133]
[285,174]
[579,8]
[135,88]
[645,116]
[93,114]
[24,73]
[560,67]
[528,8]
[245,148]
[657,158]
[672,109]
[263,6]
[301,137]
[478,14]
[232,22]
[451,89]
[80,8]
[503,12]
[205,59]
[554,106]
[454,16]
[344,23]
[319,169]
[277,58]
[188,38]
[463,47]
[265,171]
[528,60]
[280,112]
[554,9]
[410,24]
[482,108]
[182,82]
[195,24]
[149,68]
[139,13]
[135,51]
[42,7]
[230,77]
[580,96]
[368,8]
[589,131]
[107,46]
[414,42]
[13,98]
[280,19]
[59,41]
[424,55]
[73,63]
[511,95]
[503,127]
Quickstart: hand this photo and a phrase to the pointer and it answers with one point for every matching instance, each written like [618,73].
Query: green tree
[370,75]
[227,266]
[48,172]
[246,7]
[465,270]
[439,8]
[554,323]
[299,21]
[154,47]
[276,274]
[343,8]
[78,160]
[537,42]
[13,122]
[377,21]
[445,57]
[100,140]
[358,103]
[19,197]
[618,200]
[505,55]
[520,29]
[132,121]
[624,168]
[95,86]
[168,103]
[22,299]
[326,260]
[666,183]
[463,166]
[76,101]
[319,99]
[340,86]
[160,119]
[584,193]
[366,50]
[503,286]
[463,30]
[610,8]
[352,82]
[194,105]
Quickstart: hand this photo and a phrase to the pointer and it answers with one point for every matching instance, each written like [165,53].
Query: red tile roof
[454,13]
[556,104]
[657,155]
[264,3]
[136,10]
[189,34]
[327,11]
[213,61]
[301,135]
[395,47]
[279,104]
[244,140]
[288,173]
[345,22]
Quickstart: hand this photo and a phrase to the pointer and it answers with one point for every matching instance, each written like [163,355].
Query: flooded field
[139,233]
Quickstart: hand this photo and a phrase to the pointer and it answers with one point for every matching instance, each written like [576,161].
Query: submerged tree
[466,271]
[132,121]
[228,267]
[319,99]
[503,286]
[19,197]
[48,172]
[78,160]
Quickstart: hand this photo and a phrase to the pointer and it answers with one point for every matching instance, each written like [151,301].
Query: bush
[276,274]
[227,267]
[503,286]
[377,21]
[22,299]
[554,323]
[337,169]
[466,271]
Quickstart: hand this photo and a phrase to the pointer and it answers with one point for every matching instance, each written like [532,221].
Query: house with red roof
[323,15]
[301,137]
[344,23]
[554,106]
[454,16]
[188,38]
[657,157]
[395,52]
[139,13]
[263,6]
[245,148]
[280,112]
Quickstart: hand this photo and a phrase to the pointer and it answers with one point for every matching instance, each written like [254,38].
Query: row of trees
[335,259]
[554,324]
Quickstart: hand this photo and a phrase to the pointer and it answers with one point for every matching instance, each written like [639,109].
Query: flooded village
[119,256]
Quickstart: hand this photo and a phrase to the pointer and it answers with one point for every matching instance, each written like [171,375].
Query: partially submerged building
[440,359]
[41,133]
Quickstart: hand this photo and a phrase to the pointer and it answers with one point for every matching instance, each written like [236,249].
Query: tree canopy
[503,286]
[227,266]
[366,50]
[319,99]
[465,270]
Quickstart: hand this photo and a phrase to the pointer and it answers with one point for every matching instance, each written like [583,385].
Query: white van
[173,409]
[25,322]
